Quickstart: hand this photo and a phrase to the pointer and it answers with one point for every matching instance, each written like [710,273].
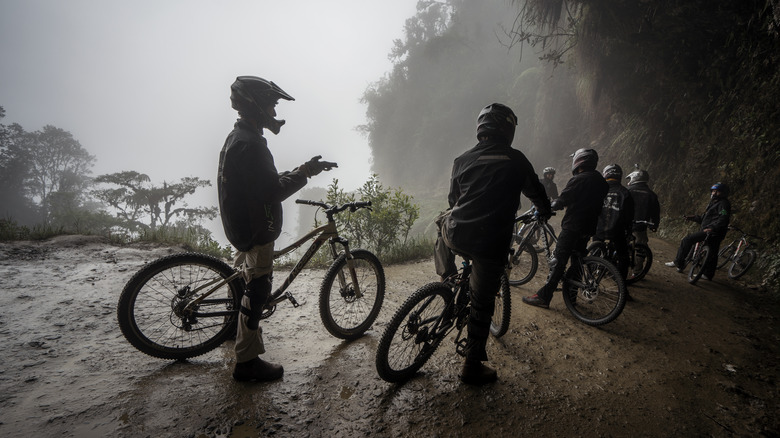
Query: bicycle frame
[323,233]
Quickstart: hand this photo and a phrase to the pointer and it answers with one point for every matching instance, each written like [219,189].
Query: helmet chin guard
[250,95]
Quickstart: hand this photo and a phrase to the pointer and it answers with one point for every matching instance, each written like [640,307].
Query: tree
[14,172]
[134,199]
[58,165]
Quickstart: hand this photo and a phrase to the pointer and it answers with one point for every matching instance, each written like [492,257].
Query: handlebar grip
[362,204]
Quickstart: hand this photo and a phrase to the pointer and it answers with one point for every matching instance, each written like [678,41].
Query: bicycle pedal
[292,299]
[460,347]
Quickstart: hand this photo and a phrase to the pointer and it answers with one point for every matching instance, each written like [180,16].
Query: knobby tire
[414,332]
[502,313]
[603,296]
[343,314]
[697,265]
[741,264]
[150,307]
[523,264]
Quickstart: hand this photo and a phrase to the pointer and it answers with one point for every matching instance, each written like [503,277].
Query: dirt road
[681,360]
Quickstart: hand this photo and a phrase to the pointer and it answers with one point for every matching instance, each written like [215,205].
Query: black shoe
[257,369]
[476,373]
[534,300]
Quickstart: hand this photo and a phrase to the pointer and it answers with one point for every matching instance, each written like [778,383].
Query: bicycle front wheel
[697,265]
[523,264]
[499,324]
[741,264]
[414,332]
[643,259]
[596,293]
[345,314]
[156,313]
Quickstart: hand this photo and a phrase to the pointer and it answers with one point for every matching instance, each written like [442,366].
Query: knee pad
[257,291]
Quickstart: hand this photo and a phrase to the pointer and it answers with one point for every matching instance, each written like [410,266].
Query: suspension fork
[350,265]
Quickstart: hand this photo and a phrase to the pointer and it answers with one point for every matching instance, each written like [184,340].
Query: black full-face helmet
[638,176]
[584,158]
[613,171]
[497,120]
[255,97]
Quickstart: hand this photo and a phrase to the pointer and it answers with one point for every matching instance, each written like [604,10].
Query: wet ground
[681,360]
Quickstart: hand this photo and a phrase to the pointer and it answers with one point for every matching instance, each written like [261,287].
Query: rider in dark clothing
[583,198]
[715,223]
[617,217]
[484,194]
[646,209]
[548,177]
[251,192]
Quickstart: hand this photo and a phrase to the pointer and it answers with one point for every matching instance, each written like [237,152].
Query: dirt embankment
[681,360]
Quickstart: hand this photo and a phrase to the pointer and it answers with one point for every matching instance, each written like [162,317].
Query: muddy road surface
[681,360]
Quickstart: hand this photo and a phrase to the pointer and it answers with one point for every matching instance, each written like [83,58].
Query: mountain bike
[640,257]
[185,305]
[534,233]
[697,258]
[427,317]
[523,258]
[738,253]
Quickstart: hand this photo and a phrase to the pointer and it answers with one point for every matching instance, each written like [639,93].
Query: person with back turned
[484,195]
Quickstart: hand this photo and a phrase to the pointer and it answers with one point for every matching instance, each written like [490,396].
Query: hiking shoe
[535,300]
[706,277]
[257,369]
[476,373]
[673,265]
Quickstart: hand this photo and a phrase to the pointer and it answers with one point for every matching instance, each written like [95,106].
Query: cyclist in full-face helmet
[484,195]
[251,192]
[617,217]
[583,198]
[714,223]
[548,181]
[646,209]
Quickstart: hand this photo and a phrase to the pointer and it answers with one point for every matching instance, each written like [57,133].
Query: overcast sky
[144,84]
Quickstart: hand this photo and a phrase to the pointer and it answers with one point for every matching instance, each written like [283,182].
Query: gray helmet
[613,171]
[250,95]
[497,120]
[638,176]
[586,159]
[548,170]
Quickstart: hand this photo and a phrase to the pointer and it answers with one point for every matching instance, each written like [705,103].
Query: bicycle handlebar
[734,227]
[333,209]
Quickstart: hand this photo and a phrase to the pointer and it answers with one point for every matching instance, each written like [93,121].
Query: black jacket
[550,188]
[646,206]
[716,217]
[250,189]
[583,198]
[617,212]
[484,195]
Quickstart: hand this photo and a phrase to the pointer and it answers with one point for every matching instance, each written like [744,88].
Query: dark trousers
[568,242]
[621,252]
[690,240]
[484,284]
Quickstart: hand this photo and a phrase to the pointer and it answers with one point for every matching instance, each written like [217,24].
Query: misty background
[144,85]
[686,90]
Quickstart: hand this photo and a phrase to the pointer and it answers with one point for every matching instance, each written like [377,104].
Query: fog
[144,85]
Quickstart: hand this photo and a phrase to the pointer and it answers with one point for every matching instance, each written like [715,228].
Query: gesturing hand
[315,166]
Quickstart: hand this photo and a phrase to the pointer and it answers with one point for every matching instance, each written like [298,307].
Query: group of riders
[484,196]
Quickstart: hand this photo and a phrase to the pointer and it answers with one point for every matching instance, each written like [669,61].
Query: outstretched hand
[315,166]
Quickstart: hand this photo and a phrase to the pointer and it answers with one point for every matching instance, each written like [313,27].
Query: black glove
[557,205]
[315,166]
[543,215]
[691,218]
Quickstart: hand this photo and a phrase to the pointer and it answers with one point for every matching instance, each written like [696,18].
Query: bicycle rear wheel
[741,264]
[343,314]
[499,324]
[155,314]
[598,296]
[697,265]
[414,332]
[725,254]
[523,264]
[598,249]
[642,260]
